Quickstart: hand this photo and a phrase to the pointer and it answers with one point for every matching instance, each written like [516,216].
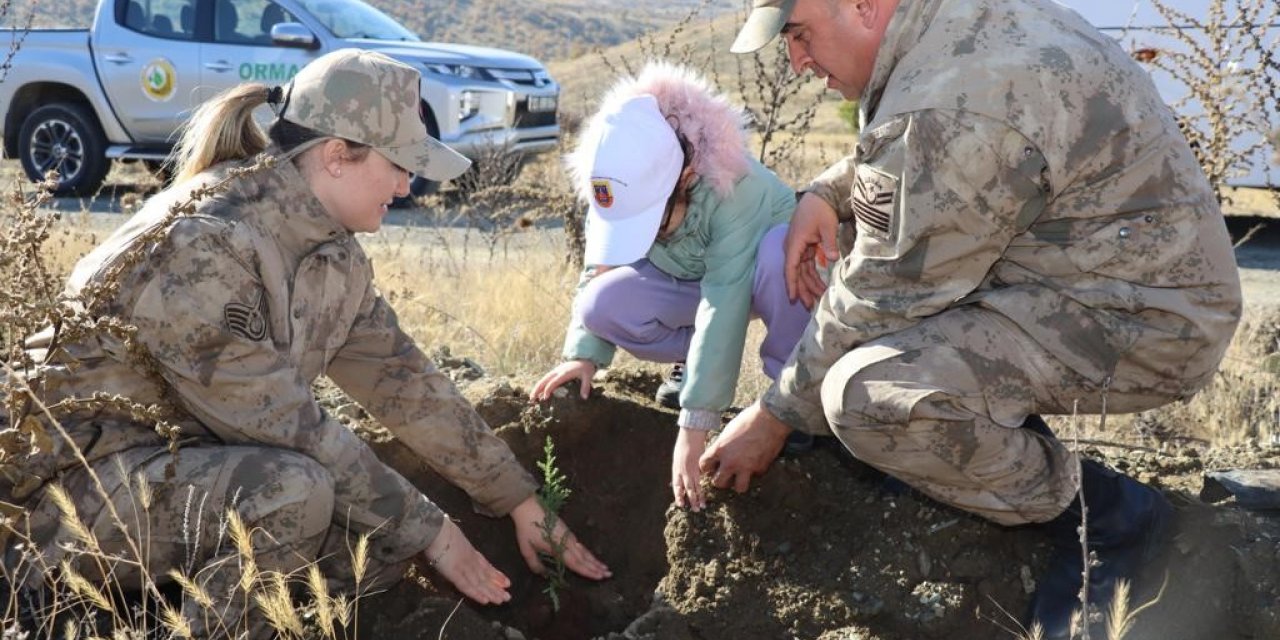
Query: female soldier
[684,243]
[239,306]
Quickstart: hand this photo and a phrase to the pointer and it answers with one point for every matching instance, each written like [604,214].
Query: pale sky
[1119,13]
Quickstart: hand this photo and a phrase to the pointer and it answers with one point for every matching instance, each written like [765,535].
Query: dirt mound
[821,547]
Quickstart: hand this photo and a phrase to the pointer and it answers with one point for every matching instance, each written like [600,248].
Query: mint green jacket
[716,244]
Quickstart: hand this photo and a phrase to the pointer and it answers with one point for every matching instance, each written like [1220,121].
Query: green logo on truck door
[268,71]
[158,79]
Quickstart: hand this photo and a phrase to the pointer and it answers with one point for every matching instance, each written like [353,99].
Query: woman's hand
[686,477]
[528,517]
[452,555]
[582,370]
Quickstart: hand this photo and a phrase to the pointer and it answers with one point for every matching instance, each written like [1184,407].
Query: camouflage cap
[366,97]
[763,25]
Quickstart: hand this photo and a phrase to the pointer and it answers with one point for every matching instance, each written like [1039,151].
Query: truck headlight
[463,71]
[468,105]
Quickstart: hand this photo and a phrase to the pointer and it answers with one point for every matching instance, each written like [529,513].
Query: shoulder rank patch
[872,200]
[249,321]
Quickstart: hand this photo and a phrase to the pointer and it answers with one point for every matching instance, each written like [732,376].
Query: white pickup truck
[75,99]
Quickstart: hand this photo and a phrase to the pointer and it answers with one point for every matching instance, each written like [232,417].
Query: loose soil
[820,547]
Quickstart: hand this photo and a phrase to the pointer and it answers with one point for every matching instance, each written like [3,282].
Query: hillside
[548,30]
[703,44]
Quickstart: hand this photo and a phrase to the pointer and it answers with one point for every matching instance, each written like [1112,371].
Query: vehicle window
[172,19]
[247,21]
[355,19]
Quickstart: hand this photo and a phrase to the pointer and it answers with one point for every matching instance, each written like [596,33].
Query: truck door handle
[118,58]
[220,66]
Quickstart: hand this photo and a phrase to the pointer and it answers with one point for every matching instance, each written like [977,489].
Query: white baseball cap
[636,161]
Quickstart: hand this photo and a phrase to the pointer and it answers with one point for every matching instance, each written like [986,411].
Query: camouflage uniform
[242,305]
[1033,234]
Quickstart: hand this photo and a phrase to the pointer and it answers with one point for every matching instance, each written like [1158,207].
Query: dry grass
[508,311]
[1240,405]
[1251,202]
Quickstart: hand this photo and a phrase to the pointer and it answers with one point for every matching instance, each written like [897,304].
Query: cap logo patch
[872,200]
[603,193]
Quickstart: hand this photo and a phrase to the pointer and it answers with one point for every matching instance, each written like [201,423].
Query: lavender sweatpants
[650,313]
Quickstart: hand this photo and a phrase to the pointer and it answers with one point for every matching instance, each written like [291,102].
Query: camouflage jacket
[241,305]
[1013,157]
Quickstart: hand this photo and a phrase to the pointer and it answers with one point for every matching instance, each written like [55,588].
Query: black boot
[1128,522]
[668,394]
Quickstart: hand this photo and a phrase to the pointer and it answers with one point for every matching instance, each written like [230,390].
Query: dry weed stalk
[654,48]
[501,211]
[1231,70]
[764,80]
[17,35]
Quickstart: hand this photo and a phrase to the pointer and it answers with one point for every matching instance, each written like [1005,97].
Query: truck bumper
[485,120]
[483,144]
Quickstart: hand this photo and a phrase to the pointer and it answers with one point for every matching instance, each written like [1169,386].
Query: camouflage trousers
[285,499]
[939,405]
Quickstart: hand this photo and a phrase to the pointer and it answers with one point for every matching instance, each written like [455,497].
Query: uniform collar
[906,28]
[290,212]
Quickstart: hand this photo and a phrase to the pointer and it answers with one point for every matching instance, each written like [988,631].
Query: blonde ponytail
[221,129]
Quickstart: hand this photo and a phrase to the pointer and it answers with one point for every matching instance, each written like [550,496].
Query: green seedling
[552,496]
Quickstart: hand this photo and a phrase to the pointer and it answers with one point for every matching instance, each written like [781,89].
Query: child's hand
[686,477]
[453,557]
[528,517]
[581,370]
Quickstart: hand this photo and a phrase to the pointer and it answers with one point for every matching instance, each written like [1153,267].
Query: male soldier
[1033,235]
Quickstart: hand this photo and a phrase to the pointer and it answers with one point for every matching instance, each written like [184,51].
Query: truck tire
[64,137]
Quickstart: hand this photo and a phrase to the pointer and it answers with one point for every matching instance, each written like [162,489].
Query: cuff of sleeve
[831,196]
[412,535]
[699,419]
[795,413]
[510,486]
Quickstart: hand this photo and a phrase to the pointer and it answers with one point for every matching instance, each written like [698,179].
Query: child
[684,245]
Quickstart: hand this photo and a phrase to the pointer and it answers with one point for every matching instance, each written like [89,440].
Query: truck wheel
[65,138]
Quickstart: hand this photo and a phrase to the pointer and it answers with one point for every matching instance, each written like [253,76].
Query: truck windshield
[355,19]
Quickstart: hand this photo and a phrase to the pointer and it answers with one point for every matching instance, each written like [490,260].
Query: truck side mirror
[294,35]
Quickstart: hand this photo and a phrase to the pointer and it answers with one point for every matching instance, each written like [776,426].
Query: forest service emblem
[158,79]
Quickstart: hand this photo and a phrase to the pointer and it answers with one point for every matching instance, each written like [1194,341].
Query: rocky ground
[820,547]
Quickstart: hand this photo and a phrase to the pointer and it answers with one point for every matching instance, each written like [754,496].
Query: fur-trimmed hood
[705,118]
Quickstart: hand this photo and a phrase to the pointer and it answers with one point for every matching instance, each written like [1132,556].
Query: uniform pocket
[1104,245]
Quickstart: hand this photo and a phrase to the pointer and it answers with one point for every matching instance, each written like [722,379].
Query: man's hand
[580,370]
[810,237]
[528,517]
[686,479]
[746,448]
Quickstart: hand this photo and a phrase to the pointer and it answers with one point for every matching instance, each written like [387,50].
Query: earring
[337,173]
